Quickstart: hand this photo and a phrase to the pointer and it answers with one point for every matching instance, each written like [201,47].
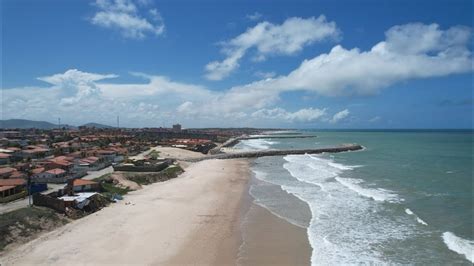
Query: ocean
[405,199]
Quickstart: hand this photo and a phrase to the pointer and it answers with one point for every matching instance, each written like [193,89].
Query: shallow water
[406,198]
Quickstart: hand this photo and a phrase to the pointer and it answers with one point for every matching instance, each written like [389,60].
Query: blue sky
[305,64]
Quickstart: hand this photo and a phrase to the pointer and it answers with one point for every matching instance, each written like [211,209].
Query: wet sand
[270,240]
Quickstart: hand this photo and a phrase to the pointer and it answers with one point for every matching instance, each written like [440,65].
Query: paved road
[141,156]
[94,174]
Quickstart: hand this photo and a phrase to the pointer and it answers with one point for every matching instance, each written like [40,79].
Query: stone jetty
[278,137]
[262,153]
[233,141]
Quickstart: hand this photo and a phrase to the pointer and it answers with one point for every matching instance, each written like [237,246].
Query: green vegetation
[24,224]
[154,154]
[110,189]
[149,178]
[172,170]
[102,177]
[108,186]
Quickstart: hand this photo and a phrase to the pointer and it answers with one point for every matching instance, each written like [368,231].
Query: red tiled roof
[6,170]
[91,159]
[4,155]
[56,171]
[36,150]
[83,182]
[61,160]
[17,174]
[4,188]
[38,170]
[12,182]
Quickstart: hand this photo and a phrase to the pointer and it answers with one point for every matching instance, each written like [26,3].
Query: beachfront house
[12,189]
[82,185]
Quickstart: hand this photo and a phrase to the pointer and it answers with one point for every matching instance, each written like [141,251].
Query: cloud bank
[410,51]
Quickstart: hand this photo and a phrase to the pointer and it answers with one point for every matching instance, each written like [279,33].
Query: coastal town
[34,160]
[49,177]
[72,172]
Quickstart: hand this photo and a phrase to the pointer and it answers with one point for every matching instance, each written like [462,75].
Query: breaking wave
[459,245]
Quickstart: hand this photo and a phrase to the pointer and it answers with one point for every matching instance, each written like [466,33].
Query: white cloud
[339,116]
[124,16]
[81,96]
[343,71]
[269,39]
[76,85]
[302,115]
[74,76]
[253,17]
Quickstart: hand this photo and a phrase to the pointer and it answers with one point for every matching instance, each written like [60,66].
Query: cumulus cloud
[76,85]
[268,39]
[124,16]
[410,51]
[83,96]
[339,116]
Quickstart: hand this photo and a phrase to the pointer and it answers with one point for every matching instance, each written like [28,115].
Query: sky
[285,64]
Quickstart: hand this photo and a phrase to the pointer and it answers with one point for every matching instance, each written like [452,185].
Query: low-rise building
[82,185]
[56,175]
[6,172]
[12,189]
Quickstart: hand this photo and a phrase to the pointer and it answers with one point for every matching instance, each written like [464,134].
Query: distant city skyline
[298,64]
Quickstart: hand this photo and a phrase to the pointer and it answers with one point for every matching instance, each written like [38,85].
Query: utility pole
[29,173]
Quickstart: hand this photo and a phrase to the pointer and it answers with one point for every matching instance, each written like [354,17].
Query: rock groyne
[262,153]
[278,137]
[233,141]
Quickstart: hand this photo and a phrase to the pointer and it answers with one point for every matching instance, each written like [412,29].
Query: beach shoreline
[194,219]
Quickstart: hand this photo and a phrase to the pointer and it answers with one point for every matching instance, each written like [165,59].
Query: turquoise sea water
[405,199]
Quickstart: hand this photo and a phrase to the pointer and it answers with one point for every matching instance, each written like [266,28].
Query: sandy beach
[193,219]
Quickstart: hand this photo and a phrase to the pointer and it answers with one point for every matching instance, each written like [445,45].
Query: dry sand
[193,219]
[178,154]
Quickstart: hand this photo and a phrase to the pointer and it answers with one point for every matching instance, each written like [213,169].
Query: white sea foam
[459,245]
[343,224]
[418,219]
[377,194]
[257,144]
